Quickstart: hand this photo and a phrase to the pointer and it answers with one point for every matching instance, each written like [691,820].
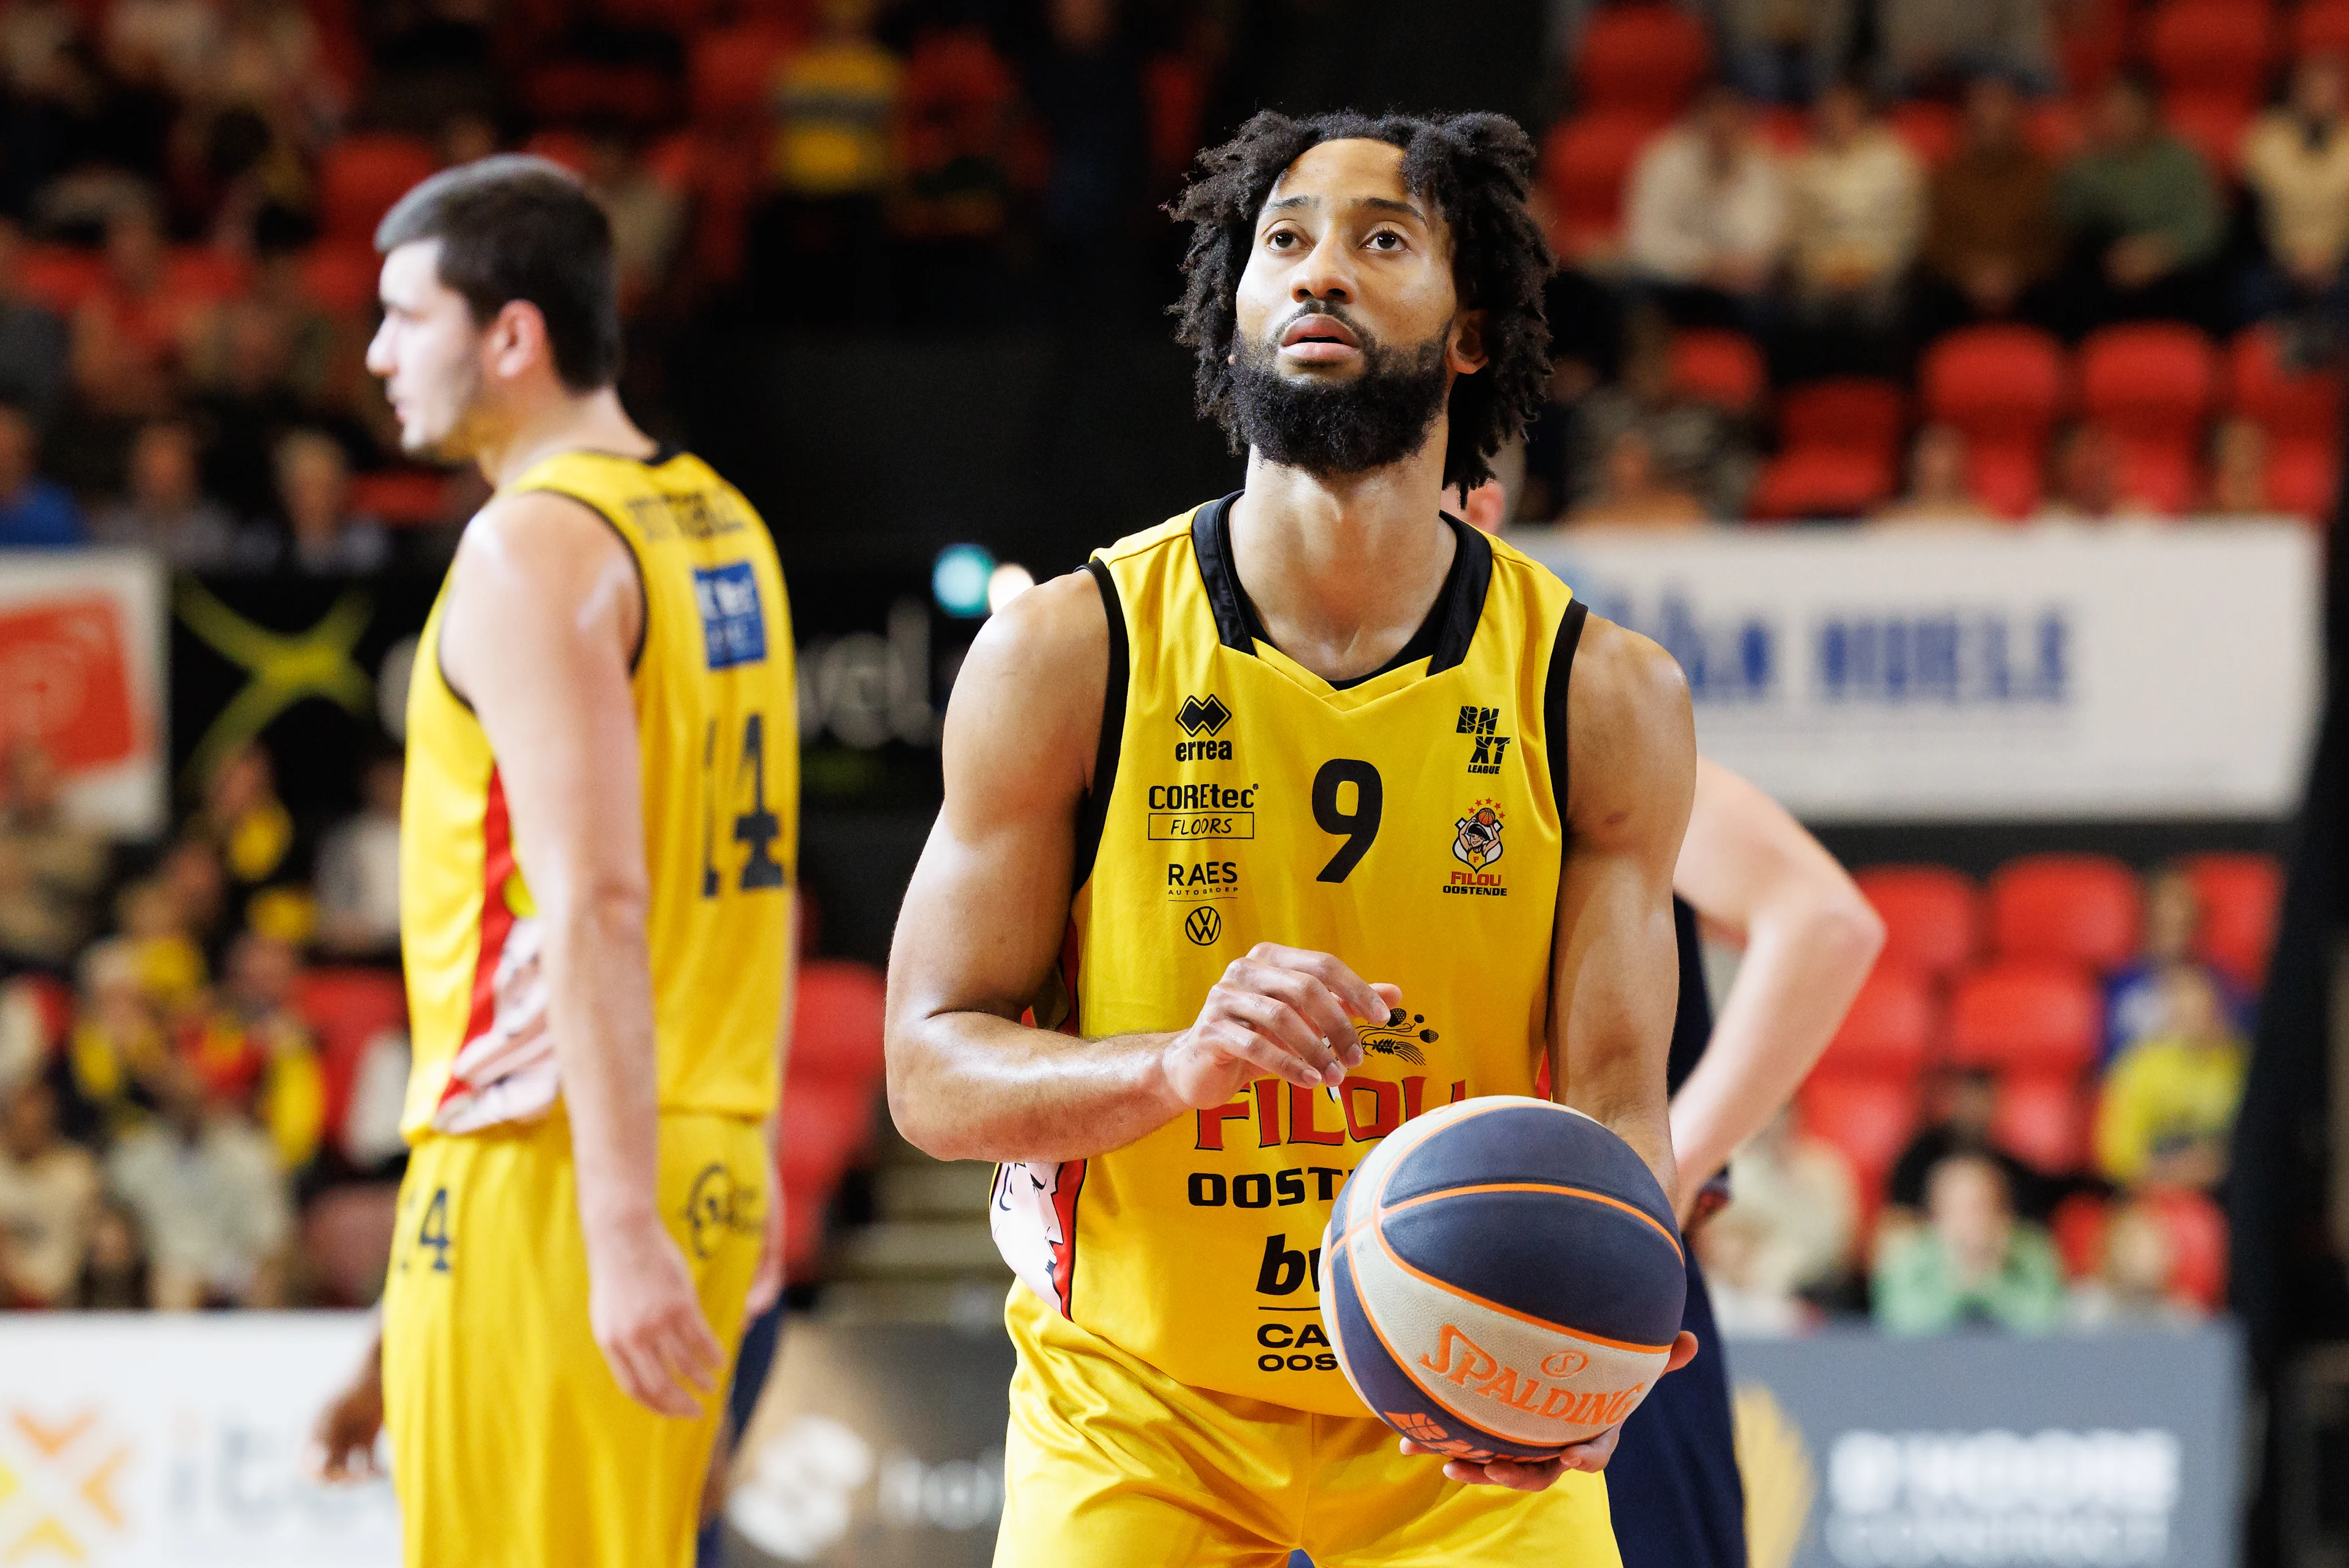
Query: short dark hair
[1477,169]
[515,227]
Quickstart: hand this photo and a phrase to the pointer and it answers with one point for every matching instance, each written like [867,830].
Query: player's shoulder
[1044,639]
[1173,535]
[1522,571]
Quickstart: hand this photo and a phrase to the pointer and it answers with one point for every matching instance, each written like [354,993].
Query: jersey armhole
[1554,704]
[1092,813]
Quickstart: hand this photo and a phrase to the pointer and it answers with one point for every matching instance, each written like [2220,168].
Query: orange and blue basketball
[1502,1278]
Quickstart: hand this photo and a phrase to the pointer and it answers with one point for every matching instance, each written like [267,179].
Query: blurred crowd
[1985,1219]
[201,1062]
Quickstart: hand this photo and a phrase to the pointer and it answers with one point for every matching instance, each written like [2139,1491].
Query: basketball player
[1303,813]
[597,849]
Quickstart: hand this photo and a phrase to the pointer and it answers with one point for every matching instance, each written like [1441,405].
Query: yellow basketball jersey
[1410,824]
[718,736]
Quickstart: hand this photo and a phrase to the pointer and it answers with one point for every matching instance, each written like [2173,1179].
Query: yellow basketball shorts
[511,1444]
[1110,1463]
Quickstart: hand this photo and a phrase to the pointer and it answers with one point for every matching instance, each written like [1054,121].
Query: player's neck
[594,422]
[1343,568]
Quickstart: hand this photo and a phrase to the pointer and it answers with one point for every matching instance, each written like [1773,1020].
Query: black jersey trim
[1092,813]
[1211,539]
[1554,704]
[664,452]
[1471,579]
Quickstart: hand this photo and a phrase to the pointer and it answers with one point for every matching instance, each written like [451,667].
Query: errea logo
[1203,713]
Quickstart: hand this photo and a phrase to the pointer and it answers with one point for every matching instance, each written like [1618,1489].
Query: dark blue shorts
[1672,1485]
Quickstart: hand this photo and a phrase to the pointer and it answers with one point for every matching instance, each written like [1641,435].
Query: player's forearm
[600,1010]
[971,1085]
[1804,963]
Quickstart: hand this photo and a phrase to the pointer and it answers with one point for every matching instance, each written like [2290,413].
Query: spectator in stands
[33,342]
[1972,1262]
[2296,165]
[2239,471]
[1086,89]
[1633,494]
[118,1049]
[1748,1301]
[1706,214]
[313,488]
[358,872]
[34,512]
[64,862]
[167,511]
[833,165]
[1991,243]
[48,1201]
[1940,490]
[1797,1191]
[2141,216]
[2085,482]
[1961,1104]
[1855,210]
[2136,996]
[2168,1102]
[2135,1285]
[172,964]
[130,333]
[204,1182]
[957,108]
[1786,51]
[236,842]
[1694,444]
[254,1049]
[647,216]
[246,401]
[1930,45]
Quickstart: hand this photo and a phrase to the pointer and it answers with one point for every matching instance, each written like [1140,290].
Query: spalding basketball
[1501,1278]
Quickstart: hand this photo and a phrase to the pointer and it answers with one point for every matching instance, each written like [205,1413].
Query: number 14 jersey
[1410,823]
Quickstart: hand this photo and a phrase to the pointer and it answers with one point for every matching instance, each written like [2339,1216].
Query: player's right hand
[1289,1011]
[648,1320]
[342,1443]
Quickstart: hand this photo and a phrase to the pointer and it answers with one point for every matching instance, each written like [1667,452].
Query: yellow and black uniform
[1176,1400]
[513,1445]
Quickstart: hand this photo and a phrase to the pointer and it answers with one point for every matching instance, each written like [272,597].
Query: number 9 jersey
[1410,823]
[718,740]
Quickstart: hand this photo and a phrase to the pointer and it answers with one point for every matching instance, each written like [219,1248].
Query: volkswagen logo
[1203,925]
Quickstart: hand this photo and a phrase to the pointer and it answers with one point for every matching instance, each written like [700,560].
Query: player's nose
[1325,273]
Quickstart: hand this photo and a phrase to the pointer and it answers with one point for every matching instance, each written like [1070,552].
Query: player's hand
[342,1443]
[647,1321]
[1289,1011]
[1590,1457]
[767,1284]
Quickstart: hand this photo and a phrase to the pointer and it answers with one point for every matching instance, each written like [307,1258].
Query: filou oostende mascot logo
[1478,841]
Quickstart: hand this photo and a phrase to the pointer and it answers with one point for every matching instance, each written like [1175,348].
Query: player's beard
[1379,418]
[453,442]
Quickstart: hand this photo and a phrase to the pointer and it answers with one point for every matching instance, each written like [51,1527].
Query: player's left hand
[1529,1475]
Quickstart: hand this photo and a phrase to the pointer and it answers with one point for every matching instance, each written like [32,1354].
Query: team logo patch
[1203,925]
[1478,841]
[1206,714]
[1402,1035]
[733,630]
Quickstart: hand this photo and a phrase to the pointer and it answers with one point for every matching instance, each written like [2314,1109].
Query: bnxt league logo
[1209,714]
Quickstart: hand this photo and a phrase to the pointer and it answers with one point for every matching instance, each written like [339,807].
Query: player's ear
[516,337]
[1465,352]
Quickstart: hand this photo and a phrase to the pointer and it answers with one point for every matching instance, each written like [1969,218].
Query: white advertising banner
[2128,671]
[81,676]
[133,1440]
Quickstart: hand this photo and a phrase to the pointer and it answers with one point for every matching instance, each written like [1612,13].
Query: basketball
[1503,1278]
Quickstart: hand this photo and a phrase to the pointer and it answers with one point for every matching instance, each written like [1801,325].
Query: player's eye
[1282,239]
[1386,240]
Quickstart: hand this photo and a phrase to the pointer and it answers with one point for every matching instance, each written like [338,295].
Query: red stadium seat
[1718,366]
[339,276]
[1585,162]
[2321,27]
[2198,1238]
[2287,403]
[346,1009]
[2054,129]
[1815,483]
[2161,473]
[361,175]
[2008,475]
[2078,1226]
[1890,1030]
[2149,379]
[1868,1117]
[1931,129]
[1644,57]
[2024,1015]
[836,1023]
[2211,49]
[1932,916]
[1995,383]
[2213,126]
[2042,1117]
[205,273]
[2073,908]
[2091,42]
[410,496]
[1852,413]
[60,276]
[568,91]
[730,71]
[2303,479]
[558,145]
[2240,897]
[1788,130]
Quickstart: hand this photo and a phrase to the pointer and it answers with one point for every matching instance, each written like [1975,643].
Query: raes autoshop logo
[1476,845]
[1490,748]
[1203,718]
[1193,881]
[1401,1037]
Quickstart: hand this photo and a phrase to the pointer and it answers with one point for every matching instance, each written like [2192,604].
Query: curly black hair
[1477,169]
